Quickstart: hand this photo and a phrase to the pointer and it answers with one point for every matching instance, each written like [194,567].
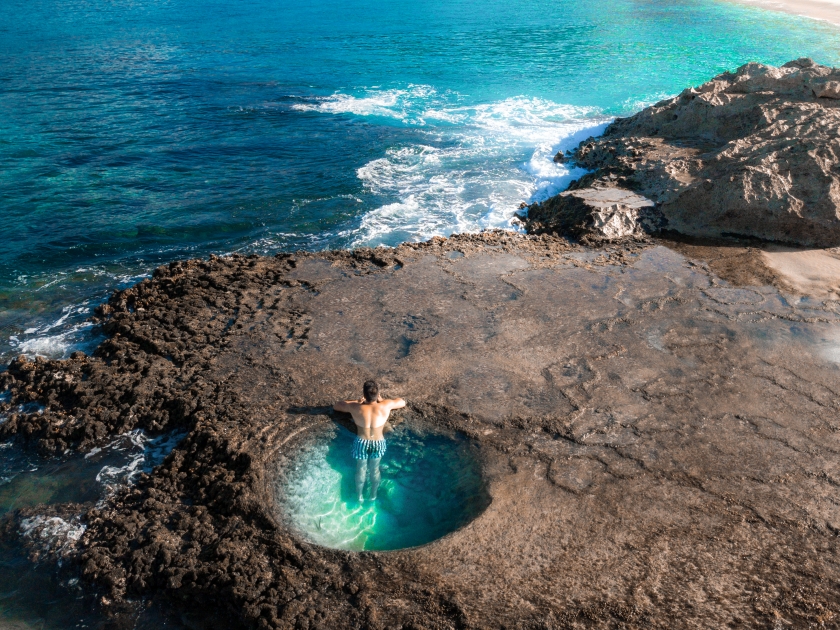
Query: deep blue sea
[133,133]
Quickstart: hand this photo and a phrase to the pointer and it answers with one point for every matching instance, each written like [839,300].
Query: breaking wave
[475,167]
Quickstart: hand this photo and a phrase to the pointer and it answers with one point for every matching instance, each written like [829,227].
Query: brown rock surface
[661,446]
[750,153]
[594,215]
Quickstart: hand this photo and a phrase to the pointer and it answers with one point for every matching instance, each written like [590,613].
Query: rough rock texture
[661,447]
[595,215]
[750,153]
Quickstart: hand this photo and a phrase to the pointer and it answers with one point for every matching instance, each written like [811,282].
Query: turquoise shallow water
[431,484]
[132,133]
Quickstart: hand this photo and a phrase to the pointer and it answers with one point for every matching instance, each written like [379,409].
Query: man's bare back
[370,417]
[370,414]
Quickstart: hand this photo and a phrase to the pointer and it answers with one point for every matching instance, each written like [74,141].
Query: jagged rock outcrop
[594,215]
[750,153]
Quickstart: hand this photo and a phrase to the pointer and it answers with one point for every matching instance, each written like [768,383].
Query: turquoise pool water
[431,484]
[133,133]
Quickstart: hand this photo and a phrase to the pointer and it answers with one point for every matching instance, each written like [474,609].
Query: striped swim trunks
[368,449]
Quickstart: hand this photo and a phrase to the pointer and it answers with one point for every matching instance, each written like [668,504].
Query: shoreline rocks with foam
[752,153]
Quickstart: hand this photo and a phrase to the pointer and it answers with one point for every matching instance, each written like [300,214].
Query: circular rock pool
[429,484]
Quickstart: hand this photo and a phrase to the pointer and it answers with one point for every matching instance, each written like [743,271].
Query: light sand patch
[813,272]
[828,10]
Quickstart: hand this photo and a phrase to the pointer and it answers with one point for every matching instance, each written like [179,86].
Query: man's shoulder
[348,406]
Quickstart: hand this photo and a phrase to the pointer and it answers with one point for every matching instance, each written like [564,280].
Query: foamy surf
[53,535]
[406,105]
[142,453]
[479,164]
[70,330]
[40,343]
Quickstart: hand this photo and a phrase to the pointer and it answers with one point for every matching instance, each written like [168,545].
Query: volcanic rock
[659,446]
[750,153]
[597,214]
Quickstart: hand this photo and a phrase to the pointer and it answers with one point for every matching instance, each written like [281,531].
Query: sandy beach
[828,10]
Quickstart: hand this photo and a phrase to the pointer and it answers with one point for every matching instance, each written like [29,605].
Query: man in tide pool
[370,414]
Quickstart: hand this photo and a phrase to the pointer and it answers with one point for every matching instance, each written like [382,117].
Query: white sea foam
[399,104]
[71,331]
[500,156]
[479,163]
[56,339]
[143,454]
[53,534]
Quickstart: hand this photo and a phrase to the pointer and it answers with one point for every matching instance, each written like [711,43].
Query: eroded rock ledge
[755,153]
[660,449]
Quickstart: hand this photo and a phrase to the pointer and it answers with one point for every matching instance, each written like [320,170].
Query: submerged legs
[375,476]
[368,469]
[360,478]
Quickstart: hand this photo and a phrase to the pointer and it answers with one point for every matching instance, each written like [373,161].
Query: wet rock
[750,153]
[593,215]
[659,448]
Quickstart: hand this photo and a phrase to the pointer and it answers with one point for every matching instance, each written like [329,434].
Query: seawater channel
[36,593]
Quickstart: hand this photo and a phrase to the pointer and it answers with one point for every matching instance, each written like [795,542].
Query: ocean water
[39,595]
[133,133]
[431,484]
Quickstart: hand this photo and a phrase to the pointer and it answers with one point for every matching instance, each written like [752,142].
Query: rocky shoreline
[657,422]
[752,153]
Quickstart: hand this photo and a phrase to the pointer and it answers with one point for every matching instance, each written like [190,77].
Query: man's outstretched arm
[396,403]
[345,405]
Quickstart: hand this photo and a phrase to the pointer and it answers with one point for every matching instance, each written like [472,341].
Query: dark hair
[371,391]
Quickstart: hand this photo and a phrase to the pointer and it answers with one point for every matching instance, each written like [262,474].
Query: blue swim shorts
[368,449]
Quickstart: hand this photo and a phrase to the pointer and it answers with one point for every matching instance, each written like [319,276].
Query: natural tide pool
[431,484]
